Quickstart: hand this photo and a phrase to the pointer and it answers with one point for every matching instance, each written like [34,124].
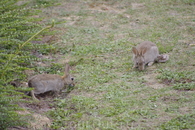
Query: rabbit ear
[143,51]
[135,51]
[67,69]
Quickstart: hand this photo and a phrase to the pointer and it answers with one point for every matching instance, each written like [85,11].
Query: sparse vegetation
[97,38]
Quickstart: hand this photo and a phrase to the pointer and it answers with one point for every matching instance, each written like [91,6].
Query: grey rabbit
[50,82]
[146,53]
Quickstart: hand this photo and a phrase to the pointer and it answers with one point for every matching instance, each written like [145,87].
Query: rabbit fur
[50,82]
[146,53]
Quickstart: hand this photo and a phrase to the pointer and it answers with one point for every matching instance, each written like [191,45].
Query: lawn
[97,38]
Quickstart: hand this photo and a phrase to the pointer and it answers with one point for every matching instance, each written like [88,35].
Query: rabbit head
[138,57]
[68,80]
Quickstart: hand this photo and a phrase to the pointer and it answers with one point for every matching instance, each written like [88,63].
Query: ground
[97,37]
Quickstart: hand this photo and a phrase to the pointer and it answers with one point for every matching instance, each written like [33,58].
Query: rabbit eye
[72,79]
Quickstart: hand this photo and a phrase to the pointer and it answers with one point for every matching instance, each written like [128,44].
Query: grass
[97,37]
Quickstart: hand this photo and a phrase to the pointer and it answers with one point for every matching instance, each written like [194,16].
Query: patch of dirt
[152,82]
[167,82]
[108,9]
[137,5]
[186,109]
[36,121]
[36,110]
[71,20]
[40,122]
[38,107]
[70,6]
[170,98]
[29,73]
[183,81]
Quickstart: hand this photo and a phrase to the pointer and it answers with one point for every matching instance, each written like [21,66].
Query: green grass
[183,80]
[97,38]
[180,122]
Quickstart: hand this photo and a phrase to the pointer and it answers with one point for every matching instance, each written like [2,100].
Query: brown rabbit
[146,53]
[50,82]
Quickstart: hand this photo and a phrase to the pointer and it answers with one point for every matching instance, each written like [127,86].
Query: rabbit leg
[33,95]
[150,63]
[135,66]
[56,93]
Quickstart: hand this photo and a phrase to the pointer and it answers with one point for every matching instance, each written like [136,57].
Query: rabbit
[50,82]
[146,53]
